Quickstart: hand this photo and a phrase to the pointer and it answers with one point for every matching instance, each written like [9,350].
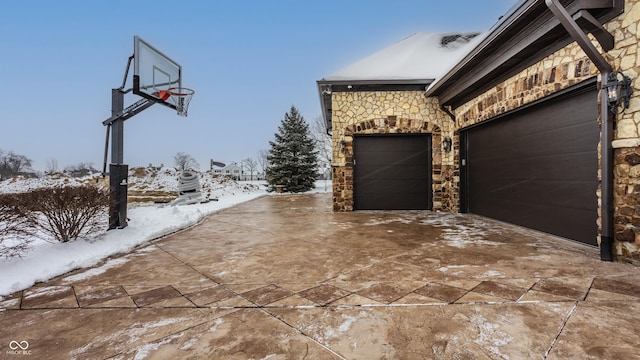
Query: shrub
[16,227]
[68,212]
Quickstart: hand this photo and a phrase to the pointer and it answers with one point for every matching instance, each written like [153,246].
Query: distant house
[504,124]
[217,170]
[236,172]
[232,170]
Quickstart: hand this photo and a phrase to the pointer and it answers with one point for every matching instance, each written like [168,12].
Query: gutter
[606,133]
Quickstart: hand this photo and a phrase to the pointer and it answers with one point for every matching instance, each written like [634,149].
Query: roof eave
[374,82]
[525,35]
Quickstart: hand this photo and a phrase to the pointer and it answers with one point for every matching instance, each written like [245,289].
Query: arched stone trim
[343,176]
[392,125]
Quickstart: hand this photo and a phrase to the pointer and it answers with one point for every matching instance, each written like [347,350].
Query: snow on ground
[148,221]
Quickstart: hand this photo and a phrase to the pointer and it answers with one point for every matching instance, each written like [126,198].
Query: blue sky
[248,61]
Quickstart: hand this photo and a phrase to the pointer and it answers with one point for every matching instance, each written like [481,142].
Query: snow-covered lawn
[147,222]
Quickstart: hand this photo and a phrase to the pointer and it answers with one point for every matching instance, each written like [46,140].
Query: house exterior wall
[563,69]
[410,112]
[390,112]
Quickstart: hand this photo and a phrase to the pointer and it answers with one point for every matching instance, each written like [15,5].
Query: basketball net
[180,97]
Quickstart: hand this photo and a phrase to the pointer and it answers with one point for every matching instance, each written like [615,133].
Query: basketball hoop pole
[118,171]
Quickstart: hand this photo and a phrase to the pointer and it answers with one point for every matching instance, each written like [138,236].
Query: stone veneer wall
[568,67]
[562,70]
[390,112]
[626,58]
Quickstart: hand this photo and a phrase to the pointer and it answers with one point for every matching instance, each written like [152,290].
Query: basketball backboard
[154,72]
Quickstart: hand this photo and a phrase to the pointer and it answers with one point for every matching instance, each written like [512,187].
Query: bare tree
[263,160]
[52,166]
[185,161]
[13,164]
[251,166]
[19,163]
[323,143]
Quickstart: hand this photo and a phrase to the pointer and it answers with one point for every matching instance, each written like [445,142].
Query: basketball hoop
[180,97]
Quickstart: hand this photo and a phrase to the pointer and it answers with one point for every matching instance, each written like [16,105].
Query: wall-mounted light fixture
[618,87]
[326,89]
[447,144]
[343,146]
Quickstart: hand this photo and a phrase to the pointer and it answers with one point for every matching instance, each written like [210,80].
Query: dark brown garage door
[538,167]
[392,172]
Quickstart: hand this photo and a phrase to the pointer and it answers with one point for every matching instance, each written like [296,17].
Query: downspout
[606,133]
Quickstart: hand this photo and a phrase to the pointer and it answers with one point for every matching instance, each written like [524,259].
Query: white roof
[420,56]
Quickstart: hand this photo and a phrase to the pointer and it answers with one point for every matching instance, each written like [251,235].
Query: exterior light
[446,144]
[618,88]
[343,145]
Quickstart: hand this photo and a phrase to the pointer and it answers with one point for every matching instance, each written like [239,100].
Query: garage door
[392,172]
[538,167]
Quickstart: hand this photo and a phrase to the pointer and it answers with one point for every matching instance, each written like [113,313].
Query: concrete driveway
[283,277]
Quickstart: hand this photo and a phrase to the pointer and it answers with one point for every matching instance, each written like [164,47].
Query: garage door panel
[391,160]
[546,193]
[538,167]
[389,196]
[392,172]
[384,143]
[535,217]
[560,167]
[394,160]
[392,186]
[373,201]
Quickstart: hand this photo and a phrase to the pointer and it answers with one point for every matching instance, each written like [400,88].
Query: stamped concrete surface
[283,277]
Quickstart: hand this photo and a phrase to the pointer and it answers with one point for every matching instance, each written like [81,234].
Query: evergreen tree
[292,157]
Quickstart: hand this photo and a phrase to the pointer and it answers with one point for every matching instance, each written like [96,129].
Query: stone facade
[391,112]
[626,58]
[410,112]
[559,71]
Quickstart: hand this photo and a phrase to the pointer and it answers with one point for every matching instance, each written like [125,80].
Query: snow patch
[402,220]
[143,351]
[46,291]
[492,274]
[96,271]
[339,332]
[490,337]
[218,322]
[346,325]
[460,232]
